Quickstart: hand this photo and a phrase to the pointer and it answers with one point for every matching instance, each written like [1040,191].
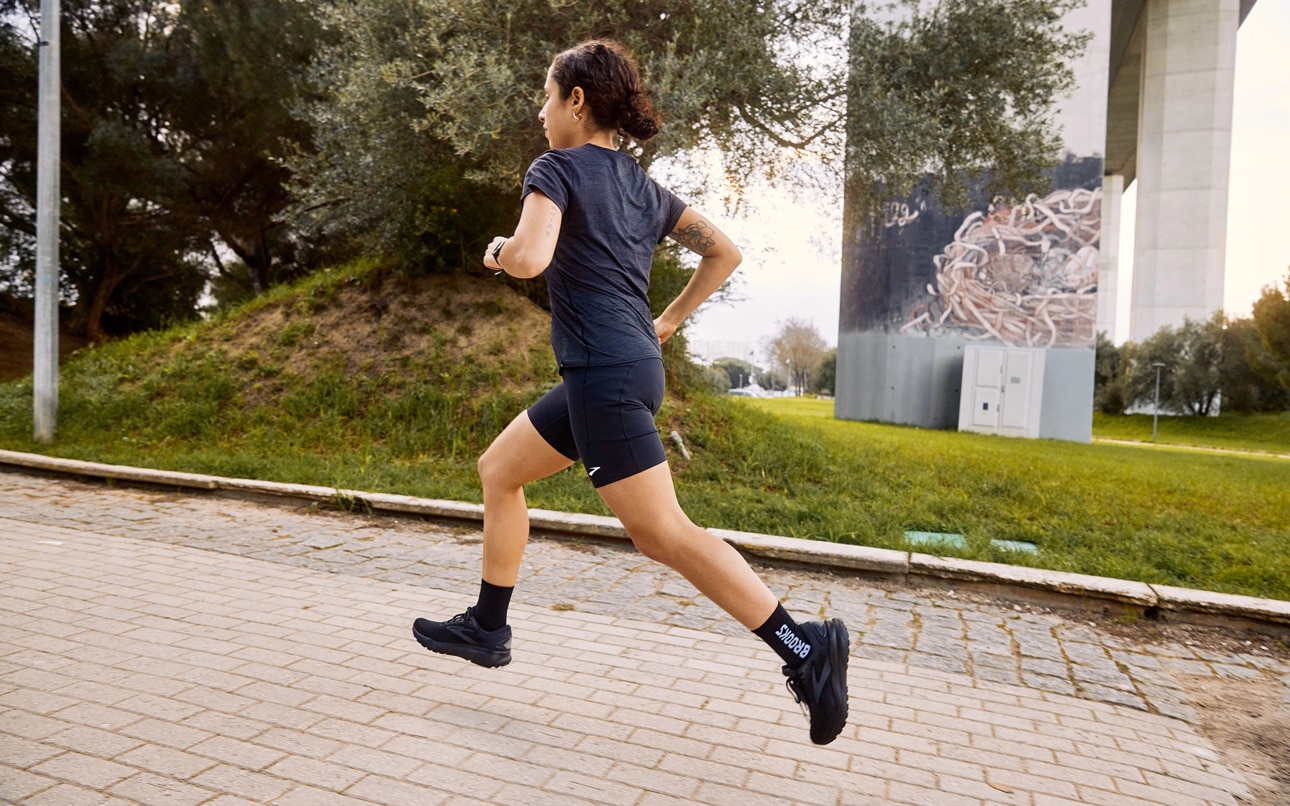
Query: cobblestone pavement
[1119,688]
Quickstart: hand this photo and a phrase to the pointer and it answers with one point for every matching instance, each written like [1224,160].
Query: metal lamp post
[45,357]
[1155,408]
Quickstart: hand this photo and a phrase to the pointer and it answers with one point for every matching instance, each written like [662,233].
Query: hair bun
[639,119]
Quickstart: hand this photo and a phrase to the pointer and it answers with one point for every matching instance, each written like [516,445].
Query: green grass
[1212,521]
[1260,433]
[413,422]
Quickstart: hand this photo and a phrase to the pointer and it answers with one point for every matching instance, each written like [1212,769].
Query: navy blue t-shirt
[613,217]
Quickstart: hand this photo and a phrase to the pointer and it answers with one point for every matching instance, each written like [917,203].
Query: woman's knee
[661,540]
[492,468]
[650,546]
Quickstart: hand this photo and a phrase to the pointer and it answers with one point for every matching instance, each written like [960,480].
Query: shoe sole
[839,654]
[479,656]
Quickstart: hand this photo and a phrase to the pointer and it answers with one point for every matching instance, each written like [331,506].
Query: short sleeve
[674,207]
[547,174]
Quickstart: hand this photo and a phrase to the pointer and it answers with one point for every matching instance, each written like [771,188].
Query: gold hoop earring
[577,116]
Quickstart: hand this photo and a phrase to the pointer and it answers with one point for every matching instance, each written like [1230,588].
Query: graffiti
[1023,274]
[898,215]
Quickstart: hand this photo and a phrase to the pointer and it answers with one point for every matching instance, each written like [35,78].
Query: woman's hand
[663,329]
[493,252]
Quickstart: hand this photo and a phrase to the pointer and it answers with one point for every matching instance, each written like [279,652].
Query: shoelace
[460,618]
[796,689]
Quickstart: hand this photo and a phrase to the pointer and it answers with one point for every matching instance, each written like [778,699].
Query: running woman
[590,219]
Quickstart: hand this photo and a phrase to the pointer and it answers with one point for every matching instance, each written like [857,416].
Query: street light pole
[1155,408]
[48,133]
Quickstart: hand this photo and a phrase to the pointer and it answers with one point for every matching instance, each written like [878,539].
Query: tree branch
[780,139]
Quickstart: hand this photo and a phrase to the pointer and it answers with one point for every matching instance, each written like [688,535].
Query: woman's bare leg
[647,506]
[517,456]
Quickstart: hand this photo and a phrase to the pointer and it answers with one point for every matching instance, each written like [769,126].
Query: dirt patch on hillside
[17,344]
[374,323]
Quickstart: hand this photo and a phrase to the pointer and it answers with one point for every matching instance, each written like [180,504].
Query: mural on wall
[1023,274]
[1017,272]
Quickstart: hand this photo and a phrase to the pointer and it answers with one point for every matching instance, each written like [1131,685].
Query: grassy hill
[328,379]
[362,379]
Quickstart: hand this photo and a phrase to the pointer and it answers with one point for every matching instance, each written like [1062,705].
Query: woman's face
[558,122]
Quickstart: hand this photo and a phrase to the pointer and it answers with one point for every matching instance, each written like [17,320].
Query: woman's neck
[603,138]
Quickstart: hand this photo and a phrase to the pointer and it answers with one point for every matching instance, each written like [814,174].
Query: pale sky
[792,252]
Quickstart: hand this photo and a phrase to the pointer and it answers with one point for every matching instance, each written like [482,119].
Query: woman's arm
[528,252]
[719,258]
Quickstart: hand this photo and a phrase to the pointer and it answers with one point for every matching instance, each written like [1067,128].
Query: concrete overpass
[1169,126]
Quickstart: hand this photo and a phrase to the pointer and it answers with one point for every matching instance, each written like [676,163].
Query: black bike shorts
[605,417]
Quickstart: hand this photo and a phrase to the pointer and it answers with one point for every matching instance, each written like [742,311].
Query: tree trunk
[99,301]
[256,260]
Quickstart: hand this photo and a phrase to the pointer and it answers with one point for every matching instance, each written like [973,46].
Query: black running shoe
[462,636]
[821,681]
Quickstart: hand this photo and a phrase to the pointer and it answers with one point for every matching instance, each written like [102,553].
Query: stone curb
[1181,604]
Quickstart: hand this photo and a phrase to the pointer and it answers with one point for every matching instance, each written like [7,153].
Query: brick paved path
[164,648]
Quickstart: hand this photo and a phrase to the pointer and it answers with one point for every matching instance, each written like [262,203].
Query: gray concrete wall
[1067,411]
[913,380]
[893,378]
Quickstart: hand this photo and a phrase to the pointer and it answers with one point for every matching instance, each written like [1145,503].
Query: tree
[175,119]
[1190,380]
[737,371]
[955,89]
[1197,382]
[797,348]
[126,253]
[427,105]
[236,111]
[1272,320]
[1248,372]
[716,380]
[179,129]
[426,120]
[1109,376]
[773,379]
[826,373]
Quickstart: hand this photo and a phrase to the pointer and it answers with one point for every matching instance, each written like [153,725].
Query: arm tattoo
[697,237]
[550,221]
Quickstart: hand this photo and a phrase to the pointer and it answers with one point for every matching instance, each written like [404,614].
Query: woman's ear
[577,99]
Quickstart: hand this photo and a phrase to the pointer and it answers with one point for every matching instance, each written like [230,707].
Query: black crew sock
[490,610]
[785,637]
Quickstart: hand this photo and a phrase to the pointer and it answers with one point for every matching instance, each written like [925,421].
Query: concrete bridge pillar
[1109,253]
[1183,156]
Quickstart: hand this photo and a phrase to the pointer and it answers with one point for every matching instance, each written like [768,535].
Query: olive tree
[1191,376]
[427,112]
[954,90]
